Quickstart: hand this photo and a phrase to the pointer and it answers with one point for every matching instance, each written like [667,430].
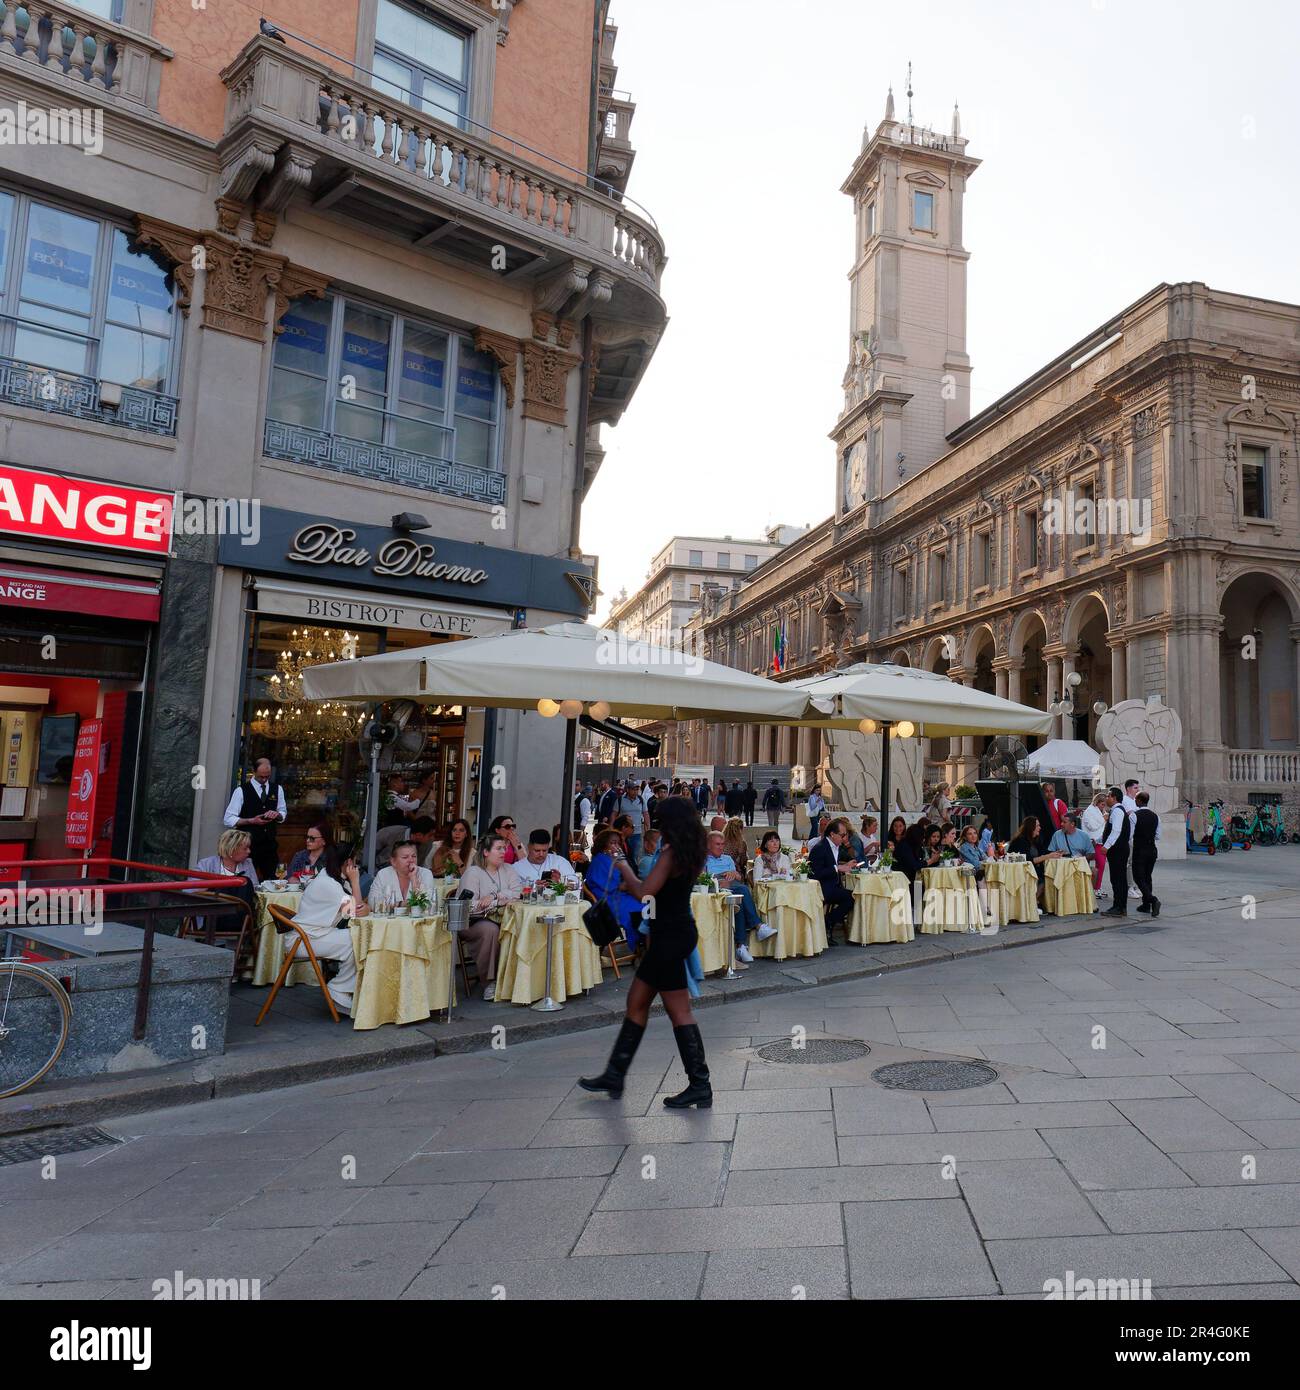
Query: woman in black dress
[663,968]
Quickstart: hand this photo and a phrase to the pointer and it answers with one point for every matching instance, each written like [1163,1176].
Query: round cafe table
[1016,898]
[271,945]
[1067,887]
[403,968]
[950,902]
[795,908]
[521,961]
[713,926]
[882,908]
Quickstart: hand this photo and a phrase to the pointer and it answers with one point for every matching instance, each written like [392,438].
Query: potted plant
[417,903]
[703,884]
[886,861]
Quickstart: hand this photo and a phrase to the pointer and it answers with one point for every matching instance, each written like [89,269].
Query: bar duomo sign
[333,551]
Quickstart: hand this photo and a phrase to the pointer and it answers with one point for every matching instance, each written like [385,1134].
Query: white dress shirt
[235,809]
[1117,825]
[532,873]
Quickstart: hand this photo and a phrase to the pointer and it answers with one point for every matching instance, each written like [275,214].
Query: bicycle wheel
[35,1015]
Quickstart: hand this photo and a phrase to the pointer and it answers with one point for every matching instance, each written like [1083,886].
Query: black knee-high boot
[698,1093]
[620,1059]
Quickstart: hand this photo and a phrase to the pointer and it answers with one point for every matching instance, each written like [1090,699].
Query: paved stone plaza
[1171,1153]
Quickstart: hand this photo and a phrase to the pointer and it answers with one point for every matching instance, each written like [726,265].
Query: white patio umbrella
[566,669]
[904,701]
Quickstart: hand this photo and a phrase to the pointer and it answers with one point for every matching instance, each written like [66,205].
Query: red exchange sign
[84,511]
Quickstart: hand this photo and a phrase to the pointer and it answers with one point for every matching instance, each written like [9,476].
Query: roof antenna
[909,92]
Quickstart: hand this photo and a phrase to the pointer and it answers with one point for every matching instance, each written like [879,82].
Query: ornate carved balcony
[297,128]
[91,58]
[66,393]
[381,463]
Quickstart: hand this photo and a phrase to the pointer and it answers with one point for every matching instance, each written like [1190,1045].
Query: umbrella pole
[566,803]
[372,805]
[885,814]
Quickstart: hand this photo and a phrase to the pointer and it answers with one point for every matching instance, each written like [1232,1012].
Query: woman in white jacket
[770,861]
[401,877]
[1094,825]
[331,898]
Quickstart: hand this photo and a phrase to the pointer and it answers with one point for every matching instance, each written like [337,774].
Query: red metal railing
[196,882]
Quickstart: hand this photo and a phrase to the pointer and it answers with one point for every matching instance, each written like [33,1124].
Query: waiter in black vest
[258,807]
[1116,845]
[1146,835]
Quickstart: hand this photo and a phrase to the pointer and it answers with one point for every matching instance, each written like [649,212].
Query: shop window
[316,749]
[345,368]
[77,297]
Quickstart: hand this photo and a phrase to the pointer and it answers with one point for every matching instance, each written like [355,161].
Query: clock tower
[907,386]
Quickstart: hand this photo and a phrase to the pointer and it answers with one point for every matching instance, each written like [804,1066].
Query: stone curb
[90,1100]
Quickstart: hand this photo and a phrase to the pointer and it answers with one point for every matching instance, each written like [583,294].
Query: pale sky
[1125,143]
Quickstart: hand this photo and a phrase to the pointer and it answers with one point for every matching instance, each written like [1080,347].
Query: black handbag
[601,923]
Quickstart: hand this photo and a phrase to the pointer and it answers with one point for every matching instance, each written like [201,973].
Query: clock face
[855,489]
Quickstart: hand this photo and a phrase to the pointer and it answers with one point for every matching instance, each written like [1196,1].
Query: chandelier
[292,717]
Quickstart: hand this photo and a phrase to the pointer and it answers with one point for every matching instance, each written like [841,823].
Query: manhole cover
[814,1050]
[1141,930]
[69,1141]
[934,1076]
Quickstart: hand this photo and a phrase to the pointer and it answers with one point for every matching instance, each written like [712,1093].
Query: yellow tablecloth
[521,964]
[1013,891]
[403,969]
[950,902]
[795,910]
[1067,889]
[713,925]
[879,915]
[271,946]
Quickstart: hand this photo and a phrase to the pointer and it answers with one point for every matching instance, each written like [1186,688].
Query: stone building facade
[370,266]
[1129,514]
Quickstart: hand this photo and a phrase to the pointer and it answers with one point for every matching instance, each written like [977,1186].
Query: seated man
[649,854]
[1070,840]
[825,866]
[722,866]
[541,862]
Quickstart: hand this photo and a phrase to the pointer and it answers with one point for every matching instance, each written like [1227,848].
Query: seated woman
[869,835]
[1025,841]
[332,897]
[455,850]
[402,876]
[949,838]
[493,883]
[897,829]
[909,854]
[232,860]
[307,861]
[506,828]
[971,852]
[733,843]
[771,861]
[605,883]
[931,845]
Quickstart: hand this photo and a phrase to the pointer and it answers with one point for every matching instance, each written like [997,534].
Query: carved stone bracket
[293,282]
[177,246]
[244,162]
[505,350]
[546,379]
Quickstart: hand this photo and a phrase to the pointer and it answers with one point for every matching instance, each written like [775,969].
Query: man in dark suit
[1146,834]
[702,796]
[825,866]
[750,800]
[734,802]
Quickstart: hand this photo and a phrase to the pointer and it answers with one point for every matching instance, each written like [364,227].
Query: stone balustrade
[1268,767]
[463,173]
[83,51]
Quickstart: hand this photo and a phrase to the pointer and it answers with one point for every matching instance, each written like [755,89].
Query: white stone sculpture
[1142,739]
[852,770]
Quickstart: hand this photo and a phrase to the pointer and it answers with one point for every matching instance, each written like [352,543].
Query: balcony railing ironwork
[382,463]
[68,393]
